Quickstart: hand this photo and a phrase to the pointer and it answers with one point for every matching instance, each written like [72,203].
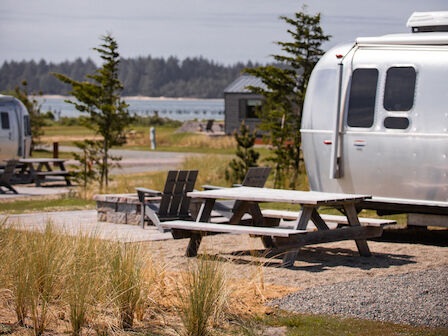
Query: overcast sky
[226,31]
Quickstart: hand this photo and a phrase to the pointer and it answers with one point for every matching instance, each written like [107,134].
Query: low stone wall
[119,208]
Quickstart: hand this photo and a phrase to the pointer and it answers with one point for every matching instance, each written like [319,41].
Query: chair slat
[178,191]
[255,177]
[185,203]
[168,192]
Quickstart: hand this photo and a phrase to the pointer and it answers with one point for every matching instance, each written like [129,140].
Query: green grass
[166,139]
[317,325]
[42,153]
[45,205]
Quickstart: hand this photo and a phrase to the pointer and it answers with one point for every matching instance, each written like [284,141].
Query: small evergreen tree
[286,84]
[246,156]
[108,115]
[37,118]
[89,159]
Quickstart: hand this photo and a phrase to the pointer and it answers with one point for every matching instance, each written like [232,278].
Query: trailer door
[8,132]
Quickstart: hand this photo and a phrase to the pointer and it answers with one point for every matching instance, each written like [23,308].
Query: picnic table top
[277,195]
[41,160]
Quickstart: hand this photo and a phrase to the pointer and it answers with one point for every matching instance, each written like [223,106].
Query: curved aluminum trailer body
[15,129]
[375,121]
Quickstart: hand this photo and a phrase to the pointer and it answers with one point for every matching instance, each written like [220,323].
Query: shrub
[46,254]
[126,271]
[201,295]
[84,279]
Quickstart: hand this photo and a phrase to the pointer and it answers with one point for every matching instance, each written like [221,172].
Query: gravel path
[415,298]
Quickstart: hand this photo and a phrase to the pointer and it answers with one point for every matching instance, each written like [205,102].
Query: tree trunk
[106,163]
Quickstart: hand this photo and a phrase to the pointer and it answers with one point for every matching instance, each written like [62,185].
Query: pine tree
[100,98]
[286,84]
[246,156]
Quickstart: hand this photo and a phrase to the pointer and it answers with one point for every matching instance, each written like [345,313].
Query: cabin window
[361,105]
[26,120]
[396,122]
[249,108]
[5,120]
[400,89]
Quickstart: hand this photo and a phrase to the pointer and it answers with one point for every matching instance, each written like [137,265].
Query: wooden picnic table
[36,170]
[290,239]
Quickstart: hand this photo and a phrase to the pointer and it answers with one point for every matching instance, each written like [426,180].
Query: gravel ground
[415,298]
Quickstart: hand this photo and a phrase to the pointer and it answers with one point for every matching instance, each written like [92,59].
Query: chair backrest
[175,202]
[209,126]
[256,176]
[9,170]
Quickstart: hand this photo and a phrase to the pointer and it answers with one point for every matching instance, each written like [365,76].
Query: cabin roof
[438,38]
[240,84]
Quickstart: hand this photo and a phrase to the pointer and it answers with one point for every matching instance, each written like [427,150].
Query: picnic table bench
[291,238]
[36,170]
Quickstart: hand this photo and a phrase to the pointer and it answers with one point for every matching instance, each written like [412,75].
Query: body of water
[173,108]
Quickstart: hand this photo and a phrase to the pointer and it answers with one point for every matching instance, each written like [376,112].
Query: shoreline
[143,98]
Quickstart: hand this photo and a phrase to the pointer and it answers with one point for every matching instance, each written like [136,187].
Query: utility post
[152,137]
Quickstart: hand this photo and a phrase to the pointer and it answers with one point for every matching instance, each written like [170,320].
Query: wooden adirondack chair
[5,177]
[255,177]
[174,202]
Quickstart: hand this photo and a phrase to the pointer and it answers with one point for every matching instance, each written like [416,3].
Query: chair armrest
[210,187]
[143,192]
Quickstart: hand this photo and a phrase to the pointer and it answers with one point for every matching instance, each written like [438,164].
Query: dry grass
[83,278]
[83,285]
[202,293]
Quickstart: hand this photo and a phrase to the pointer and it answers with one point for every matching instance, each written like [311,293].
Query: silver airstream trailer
[15,130]
[375,121]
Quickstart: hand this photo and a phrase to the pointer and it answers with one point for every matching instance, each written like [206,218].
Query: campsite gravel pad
[416,298]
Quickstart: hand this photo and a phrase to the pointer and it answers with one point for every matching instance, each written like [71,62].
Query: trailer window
[361,105]
[5,120]
[27,123]
[396,122]
[400,88]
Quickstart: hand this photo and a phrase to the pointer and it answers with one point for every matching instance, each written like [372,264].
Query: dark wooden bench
[284,238]
[6,176]
[52,173]
[36,170]
[337,220]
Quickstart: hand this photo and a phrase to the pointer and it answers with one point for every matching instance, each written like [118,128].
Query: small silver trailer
[375,121]
[15,129]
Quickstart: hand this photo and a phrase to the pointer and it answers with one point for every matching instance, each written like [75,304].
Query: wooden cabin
[240,103]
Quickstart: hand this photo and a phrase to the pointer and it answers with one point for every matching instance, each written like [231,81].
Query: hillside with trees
[145,76]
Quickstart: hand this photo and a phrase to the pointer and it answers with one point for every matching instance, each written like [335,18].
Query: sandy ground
[258,279]
[316,265]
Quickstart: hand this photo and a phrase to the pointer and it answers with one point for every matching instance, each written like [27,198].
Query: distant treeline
[145,76]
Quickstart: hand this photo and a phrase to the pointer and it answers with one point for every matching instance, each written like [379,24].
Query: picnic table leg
[193,245]
[307,212]
[353,220]
[196,238]
[243,207]
[318,221]
[304,218]
[33,174]
[66,177]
